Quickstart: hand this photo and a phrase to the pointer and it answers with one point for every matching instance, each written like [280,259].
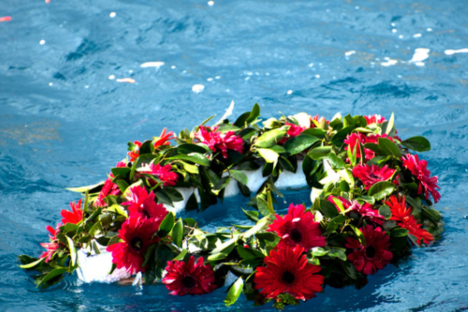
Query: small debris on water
[127,80]
[5,19]
[197,88]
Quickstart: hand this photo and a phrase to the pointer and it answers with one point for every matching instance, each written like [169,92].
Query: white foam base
[95,268]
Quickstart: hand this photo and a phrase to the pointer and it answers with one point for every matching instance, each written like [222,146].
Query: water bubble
[112,14]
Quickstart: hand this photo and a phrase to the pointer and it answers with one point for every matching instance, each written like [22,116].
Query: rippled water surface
[66,118]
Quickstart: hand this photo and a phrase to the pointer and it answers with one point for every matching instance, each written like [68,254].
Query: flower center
[288,277]
[370,252]
[188,282]
[374,176]
[136,243]
[296,235]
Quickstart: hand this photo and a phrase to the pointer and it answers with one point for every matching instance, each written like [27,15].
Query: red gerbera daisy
[402,215]
[354,138]
[293,131]
[374,119]
[216,140]
[109,188]
[74,216]
[163,139]
[163,173]
[189,278]
[418,168]
[137,235]
[135,153]
[141,204]
[371,174]
[374,255]
[298,228]
[365,210]
[287,271]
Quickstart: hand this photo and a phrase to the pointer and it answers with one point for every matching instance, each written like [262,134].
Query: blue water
[64,122]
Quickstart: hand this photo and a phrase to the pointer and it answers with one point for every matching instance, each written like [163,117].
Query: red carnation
[163,139]
[374,119]
[109,188]
[287,271]
[141,204]
[293,131]
[298,228]
[136,234]
[189,278]
[365,210]
[402,215]
[371,174]
[418,168]
[216,140]
[74,216]
[374,255]
[163,173]
[135,153]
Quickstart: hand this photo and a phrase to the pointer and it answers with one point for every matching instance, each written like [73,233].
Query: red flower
[318,120]
[365,210]
[53,246]
[142,205]
[74,216]
[402,215]
[163,139]
[298,228]
[374,119]
[136,234]
[374,255]
[287,271]
[189,278]
[216,140]
[371,174]
[163,173]
[135,153]
[109,188]
[354,138]
[418,168]
[293,131]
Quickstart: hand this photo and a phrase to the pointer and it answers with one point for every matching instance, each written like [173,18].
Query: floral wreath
[370,204]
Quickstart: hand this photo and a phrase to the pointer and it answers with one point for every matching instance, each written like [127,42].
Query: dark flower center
[296,235]
[136,243]
[370,252]
[374,176]
[288,277]
[188,282]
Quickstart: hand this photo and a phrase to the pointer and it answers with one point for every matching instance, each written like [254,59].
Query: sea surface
[68,107]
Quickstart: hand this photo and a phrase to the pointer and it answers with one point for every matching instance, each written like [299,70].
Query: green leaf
[83,189]
[319,152]
[359,235]
[253,114]
[181,256]
[196,158]
[390,126]
[385,211]
[399,232]
[417,143]
[239,176]
[166,225]
[349,268]
[71,246]
[31,265]
[335,223]
[389,148]
[249,253]
[319,252]
[190,148]
[269,155]
[251,215]
[234,292]
[336,163]
[263,207]
[337,252]
[259,226]
[178,232]
[367,199]
[300,143]
[193,169]
[52,274]
[381,189]
[328,209]
[316,132]
[272,137]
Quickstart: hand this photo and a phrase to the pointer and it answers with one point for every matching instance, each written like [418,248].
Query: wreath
[371,203]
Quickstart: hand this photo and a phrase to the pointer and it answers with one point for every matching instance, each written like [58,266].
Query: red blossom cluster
[218,141]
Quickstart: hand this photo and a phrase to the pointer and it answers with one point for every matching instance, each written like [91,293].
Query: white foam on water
[451,52]
[112,14]
[289,92]
[197,88]
[349,53]
[389,62]
[152,64]
[420,54]
[417,35]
